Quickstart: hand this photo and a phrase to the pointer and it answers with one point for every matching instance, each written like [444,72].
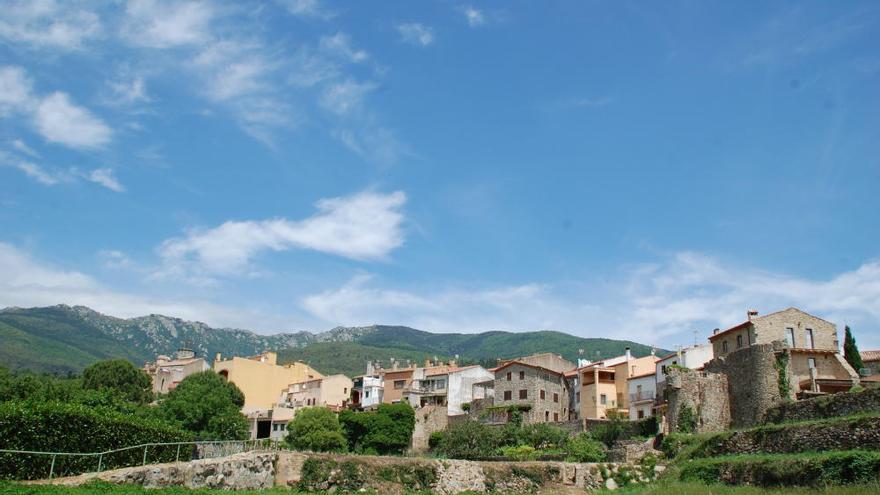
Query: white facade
[692,357]
[642,391]
[461,387]
[371,391]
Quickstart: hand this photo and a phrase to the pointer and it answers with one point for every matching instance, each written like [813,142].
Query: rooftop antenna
[695,337]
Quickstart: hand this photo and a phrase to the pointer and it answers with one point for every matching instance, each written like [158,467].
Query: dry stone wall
[843,404]
[704,394]
[428,420]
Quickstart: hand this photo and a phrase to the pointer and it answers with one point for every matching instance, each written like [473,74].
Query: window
[577,396]
[367,394]
[508,376]
[811,363]
[542,395]
[603,399]
[546,416]
[638,390]
[556,417]
[344,390]
[809,339]
[441,384]
[522,375]
[275,427]
[508,395]
[739,341]
[663,369]
[283,426]
[556,398]
[641,414]
[398,384]
[789,336]
[724,346]
[523,394]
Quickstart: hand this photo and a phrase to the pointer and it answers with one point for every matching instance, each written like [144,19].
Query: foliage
[59,427]
[520,452]
[781,365]
[466,407]
[118,374]
[584,448]
[542,436]
[316,429]
[828,468]
[469,440]
[851,350]
[611,431]
[385,431]
[647,427]
[207,405]
[434,439]
[687,420]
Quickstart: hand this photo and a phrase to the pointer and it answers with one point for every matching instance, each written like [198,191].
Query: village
[728,382]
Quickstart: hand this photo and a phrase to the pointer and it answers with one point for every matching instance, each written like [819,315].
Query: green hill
[64,339]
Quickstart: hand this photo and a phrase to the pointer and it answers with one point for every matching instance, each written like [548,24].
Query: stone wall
[428,420]
[533,382]
[247,471]
[752,381]
[844,404]
[705,394]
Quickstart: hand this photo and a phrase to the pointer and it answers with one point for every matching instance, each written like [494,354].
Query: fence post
[177,459]
[145,455]
[52,467]
[100,461]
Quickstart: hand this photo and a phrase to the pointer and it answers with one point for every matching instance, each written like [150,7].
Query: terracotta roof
[570,373]
[799,350]
[870,355]
[737,327]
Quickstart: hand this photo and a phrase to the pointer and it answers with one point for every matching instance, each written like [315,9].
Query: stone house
[816,362]
[604,384]
[692,357]
[541,393]
[166,372]
[871,360]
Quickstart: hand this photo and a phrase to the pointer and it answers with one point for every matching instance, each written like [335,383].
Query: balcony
[648,395]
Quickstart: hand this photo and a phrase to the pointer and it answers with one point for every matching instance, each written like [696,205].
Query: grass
[692,488]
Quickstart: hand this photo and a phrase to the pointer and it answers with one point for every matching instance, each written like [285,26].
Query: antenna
[695,337]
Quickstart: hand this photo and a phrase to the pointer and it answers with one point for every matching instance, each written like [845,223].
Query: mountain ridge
[65,339]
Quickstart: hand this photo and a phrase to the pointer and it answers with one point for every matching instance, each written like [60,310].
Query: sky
[631,170]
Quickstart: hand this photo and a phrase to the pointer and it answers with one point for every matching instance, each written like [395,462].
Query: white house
[461,387]
[367,391]
[642,391]
[693,357]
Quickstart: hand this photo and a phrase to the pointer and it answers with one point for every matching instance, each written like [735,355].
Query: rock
[610,484]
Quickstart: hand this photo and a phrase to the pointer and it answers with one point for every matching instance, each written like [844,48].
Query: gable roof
[870,356]
[749,322]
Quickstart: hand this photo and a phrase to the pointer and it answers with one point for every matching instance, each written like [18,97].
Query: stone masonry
[706,394]
[428,420]
[552,407]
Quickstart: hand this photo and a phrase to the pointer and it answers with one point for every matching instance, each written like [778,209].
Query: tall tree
[120,375]
[851,350]
[207,405]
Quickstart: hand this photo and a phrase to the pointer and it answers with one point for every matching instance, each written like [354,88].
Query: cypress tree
[851,351]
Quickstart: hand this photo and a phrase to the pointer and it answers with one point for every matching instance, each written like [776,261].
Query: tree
[469,440]
[118,374]
[316,429]
[392,428]
[851,350]
[207,405]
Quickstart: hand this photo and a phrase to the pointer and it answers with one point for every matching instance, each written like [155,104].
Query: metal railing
[199,450]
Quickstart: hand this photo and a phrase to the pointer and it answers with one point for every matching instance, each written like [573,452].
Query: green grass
[692,488]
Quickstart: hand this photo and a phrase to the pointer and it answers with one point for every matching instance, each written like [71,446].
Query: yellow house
[605,387]
[261,379]
[332,391]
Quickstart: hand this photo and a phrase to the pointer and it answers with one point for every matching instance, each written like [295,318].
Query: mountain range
[64,339]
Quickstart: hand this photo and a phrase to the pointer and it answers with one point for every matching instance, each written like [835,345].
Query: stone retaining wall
[844,404]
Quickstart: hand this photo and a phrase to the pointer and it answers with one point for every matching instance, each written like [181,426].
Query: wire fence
[30,464]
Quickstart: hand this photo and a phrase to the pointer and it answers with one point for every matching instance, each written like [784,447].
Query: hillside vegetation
[64,339]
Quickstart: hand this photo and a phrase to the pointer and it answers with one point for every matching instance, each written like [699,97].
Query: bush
[520,453]
[59,427]
[207,405]
[316,429]
[386,431]
[435,439]
[611,431]
[647,427]
[542,436]
[584,448]
[469,440]
[687,420]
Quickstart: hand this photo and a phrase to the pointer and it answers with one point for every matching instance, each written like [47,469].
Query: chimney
[217,359]
[715,332]
[628,354]
[752,313]
[427,362]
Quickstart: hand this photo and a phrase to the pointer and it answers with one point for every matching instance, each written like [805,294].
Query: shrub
[647,427]
[316,429]
[611,431]
[542,436]
[435,439]
[687,420]
[520,452]
[207,405]
[469,440]
[386,431]
[59,427]
[584,448]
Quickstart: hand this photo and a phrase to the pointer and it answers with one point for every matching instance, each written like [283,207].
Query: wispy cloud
[59,120]
[107,178]
[365,226]
[29,168]
[475,17]
[15,90]
[660,303]
[307,8]
[167,24]
[415,33]
[343,97]
[340,45]
[48,24]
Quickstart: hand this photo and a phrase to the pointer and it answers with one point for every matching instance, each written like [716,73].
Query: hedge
[62,427]
[814,470]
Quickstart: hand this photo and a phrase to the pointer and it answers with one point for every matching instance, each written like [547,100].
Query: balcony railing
[640,396]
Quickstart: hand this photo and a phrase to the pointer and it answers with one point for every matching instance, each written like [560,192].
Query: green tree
[469,440]
[316,429]
[207,405]
[392,427]
[120,375]
[851,350]
[355,427]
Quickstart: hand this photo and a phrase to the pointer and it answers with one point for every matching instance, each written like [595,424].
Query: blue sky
[616,169]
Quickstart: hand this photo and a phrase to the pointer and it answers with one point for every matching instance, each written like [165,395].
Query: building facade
[605,384]
[642,393]
[332,391]
[542,394]
[366,392]
[166,372]
[261,379]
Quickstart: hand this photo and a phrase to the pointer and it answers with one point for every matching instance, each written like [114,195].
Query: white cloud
[129,91]
[106,178]
[373,143]
[15,89]
[341,98]
[307,8]
[474,16]
[48,24]
[28,282]
[60,121]
[167,24]
[416,33]
[114,259]
[30,169]
[658,304]
[23,148]
[340,45]
[365,226]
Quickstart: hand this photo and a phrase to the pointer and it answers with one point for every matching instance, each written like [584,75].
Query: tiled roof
[870,355]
